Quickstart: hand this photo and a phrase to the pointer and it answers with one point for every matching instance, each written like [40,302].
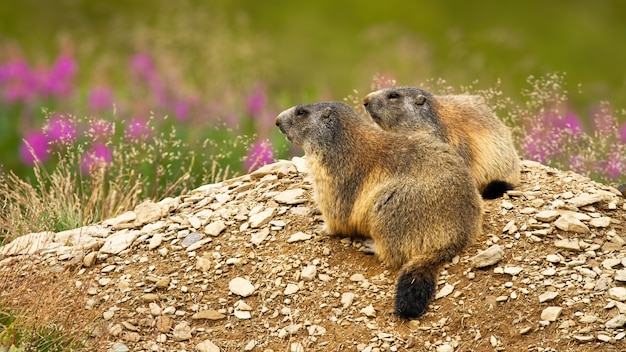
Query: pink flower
[58,80]
[34,147]
[61,129]
[143,66]
[256,102]
[260,153]
[101,98]
[99,156]
[622,132]
[101,129]
[19,81]
[138,130]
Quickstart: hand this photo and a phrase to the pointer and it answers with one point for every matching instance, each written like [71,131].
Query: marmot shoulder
[412,194]
[464,121]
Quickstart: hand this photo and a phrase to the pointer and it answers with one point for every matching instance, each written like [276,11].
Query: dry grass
[42,311]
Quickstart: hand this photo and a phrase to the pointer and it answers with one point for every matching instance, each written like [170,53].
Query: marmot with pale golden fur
[412,194]
[463,121]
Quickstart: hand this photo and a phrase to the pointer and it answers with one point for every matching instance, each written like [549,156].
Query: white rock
[445,348]
[300,164]
[585,199]
[241,287]
[547,215]
[242,314]
[121,221]
[207,346]
[617,293]
[28,244]
[291,289]
[610,263]
[309,273]
[620,276]
[488,257]
[369,311]
[155,241]
[553,258]
[512,270]
[299,236]
[551,313]
[258,237]
[194,222]
[357,277]
[617,322]
[259,219]
[547,296]
[291,196]
[346,299]
[119,241]
[445,290]
[296,347]
[567,222]
[215,228]
[250,345]
[182,332]
[603,221]
[565,243]
[147,212]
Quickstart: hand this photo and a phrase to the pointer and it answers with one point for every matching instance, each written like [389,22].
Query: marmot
[463,121]
[411,194]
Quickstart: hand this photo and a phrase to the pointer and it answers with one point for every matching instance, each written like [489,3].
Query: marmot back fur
[463,121]
[411,194]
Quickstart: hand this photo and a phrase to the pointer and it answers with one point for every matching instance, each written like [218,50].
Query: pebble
[191,239]
[369,311]
[309,273]
[444,291]
[603,221]
[207,346]
[572,245]
[445,348]
[568,222]
[298,236]
[241,287]
[617,293]
[357,277]
[547,215]
[547,296]
[551,313]
[291,289]
[346,299]
[182,332]
[291,196]
[209,314]
[260,236]
[215,228]
[262,218]
[616,322]
[585,199]
[488,257]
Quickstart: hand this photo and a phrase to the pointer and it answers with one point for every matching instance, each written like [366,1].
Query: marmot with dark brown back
[463,121]
[412,194]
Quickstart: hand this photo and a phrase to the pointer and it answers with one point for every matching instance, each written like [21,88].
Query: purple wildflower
[143,66]
[61,129]
[622,132]
[34,147]
[99,156]
[614,166]
[101,98]
[20,82]
[58,80]
[260,153]
[138,129]
[256,102]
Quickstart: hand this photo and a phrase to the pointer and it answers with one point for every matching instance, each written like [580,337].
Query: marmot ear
[420,100]
[327,112]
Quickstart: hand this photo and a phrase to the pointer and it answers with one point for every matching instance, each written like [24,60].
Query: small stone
[291,196]
[291,289]
[568,222]
[585,199]
[250,345]
[209,314]
[194,222]
[553,258]
[445,290]
[565,243]
[147,212]
[121,221]
[620,276]
[584,338]
[108,315]
[357,277]
[309,273]
[603,221]
[507,205]
[346,299]
[551,313]
[298,236]
[90,259]
[547,296]
[118,242]
[118,347]
[155,241]
[215,228]
[182,332]
[155,310]
[150,297]
[191,239]
[296,347]
[259,219]
[258,237]
[242,314]
[512,270]
[369,311]
[164,323]
[617,293]
[617,322]
[163,283]
[445,348]
[547,215]
[241,287]
[488,257]
[207,346]
[603,338]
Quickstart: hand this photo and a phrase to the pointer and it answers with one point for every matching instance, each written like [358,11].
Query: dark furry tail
[416,287]
[496,189]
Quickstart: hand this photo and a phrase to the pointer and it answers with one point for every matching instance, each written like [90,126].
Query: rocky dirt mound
[243,265]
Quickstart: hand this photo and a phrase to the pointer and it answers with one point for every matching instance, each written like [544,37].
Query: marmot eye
[393,95]
[300,112]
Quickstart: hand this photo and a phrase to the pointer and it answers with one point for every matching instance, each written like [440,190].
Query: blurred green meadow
[148,99]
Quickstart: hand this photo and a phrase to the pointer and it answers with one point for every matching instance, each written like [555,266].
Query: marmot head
[317,126]
[400,108]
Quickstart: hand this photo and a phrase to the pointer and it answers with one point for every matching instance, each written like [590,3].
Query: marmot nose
[366,101]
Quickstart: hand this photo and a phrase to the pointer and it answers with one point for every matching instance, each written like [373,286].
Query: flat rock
[547,296]
[488,257]
[369,311]
[616,322]
[259,219]
[28,244]
[258,237]
[547,215]
[215,228]
[191,239]
[617,293]
[567,222]
[182,332]
[603,221]
[241,287]
[122,221]
[119,241]
[444,291]
[585,199]
[565,243]
[291,196]
[207,346]
[346,299]
[291,289]
[299,236]
[551,313]
[309,273]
